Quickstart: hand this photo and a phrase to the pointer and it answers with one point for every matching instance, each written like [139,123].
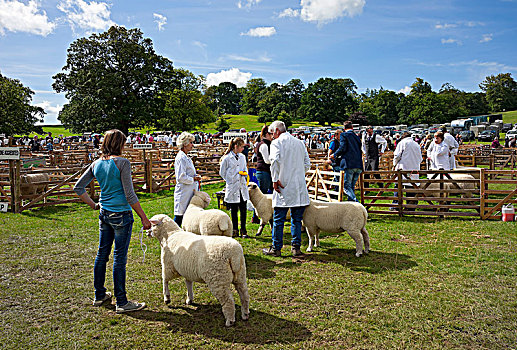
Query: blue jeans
[279,216]
[351,177]
[113,227]
[264,181]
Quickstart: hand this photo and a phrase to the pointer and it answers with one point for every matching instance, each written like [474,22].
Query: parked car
[510,134]
[487,135]
[467,135]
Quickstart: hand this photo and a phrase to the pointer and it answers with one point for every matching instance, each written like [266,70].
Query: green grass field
[427,284]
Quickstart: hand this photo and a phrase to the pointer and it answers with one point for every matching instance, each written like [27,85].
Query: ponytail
[234,142]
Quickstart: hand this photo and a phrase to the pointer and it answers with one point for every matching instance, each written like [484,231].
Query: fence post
[15,183]
[361,186]
[482,188]
[399,192]
[341,185]
[316,176]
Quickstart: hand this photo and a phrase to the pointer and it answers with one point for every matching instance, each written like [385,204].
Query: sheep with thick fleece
[211,222]
[435,191]
[32,184]
[336,217]
[215,260]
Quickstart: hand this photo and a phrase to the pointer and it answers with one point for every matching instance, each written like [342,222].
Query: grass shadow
[259,267]
[375,262]
[208,320]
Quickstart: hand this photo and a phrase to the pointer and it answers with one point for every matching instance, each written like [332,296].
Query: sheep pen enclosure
[428,283]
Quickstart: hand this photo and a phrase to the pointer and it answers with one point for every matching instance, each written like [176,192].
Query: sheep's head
[200,199]
[253,186]
[162,224]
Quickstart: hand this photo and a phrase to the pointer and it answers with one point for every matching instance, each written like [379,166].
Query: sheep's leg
[317,239]
[261,227]
[166,292]
[190,292]
[358,238]
[224,295]
[366,239]
[309,235]
[242,289]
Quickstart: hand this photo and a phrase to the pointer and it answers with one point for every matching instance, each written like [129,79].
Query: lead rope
[142,244]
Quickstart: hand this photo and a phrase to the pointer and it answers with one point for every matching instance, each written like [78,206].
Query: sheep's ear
[155,222]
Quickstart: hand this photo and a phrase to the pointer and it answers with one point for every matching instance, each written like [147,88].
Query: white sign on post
[9,153]
[143,146]
[3,207]
[228,136]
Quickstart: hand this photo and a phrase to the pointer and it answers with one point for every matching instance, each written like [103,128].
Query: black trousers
[234,209]
[372,164]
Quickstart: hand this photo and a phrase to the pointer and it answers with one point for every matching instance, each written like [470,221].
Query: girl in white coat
[439,153]
[187,180]
[233,170]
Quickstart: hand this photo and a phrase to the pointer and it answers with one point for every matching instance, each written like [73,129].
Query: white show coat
[453,145]
[185,184]
[439,155]
[407,156]
[236,184]
[289,163]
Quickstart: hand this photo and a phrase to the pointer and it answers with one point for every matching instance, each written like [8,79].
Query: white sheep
[214,260]
[336,217]
[435,191]
[212,222]
[263,204]
[32,184]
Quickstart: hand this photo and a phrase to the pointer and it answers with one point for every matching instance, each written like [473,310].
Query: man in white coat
[407,156]
[453,145]
[289,163]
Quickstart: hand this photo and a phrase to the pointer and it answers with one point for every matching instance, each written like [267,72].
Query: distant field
[249,122]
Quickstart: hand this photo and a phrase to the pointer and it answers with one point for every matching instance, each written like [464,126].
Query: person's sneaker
[272,251]
[244,234]
[296,252]
[130,306]
[99,302]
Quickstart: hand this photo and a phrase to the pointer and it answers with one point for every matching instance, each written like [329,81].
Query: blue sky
[374,42]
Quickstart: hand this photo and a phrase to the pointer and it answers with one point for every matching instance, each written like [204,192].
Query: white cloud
[247,3]
[52,112]
[16,16]
[486,38]
[161,20]
[289,12]
[261,32]
[325,11]
[263,58]
[87,16]
[405,90]
[233,75]
[445,26]
[451,41]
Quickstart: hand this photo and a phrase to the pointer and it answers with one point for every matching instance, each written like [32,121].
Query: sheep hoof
[245,317]
[167,300]
[366,251]
[229,323]
[309,249]
[358,254]
[189,301]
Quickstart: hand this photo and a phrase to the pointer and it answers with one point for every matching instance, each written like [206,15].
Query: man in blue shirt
[349,156]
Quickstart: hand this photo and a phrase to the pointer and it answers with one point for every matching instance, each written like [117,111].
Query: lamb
[336,217]
[214,260]
[263,204]
[33,184]
[212,222]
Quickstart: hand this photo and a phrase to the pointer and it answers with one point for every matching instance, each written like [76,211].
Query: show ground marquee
[10,153]
[228,136]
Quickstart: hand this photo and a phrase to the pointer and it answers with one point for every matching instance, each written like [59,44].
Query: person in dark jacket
[350,159]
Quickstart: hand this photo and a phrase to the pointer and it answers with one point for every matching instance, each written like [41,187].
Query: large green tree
[224,97]
[186,108]
[255,88]
[17,115]
[113,80]
[501,92]
[328,100]
[380,106]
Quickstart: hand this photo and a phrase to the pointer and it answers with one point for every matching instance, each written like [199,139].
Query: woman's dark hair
[264,132]
[113,143]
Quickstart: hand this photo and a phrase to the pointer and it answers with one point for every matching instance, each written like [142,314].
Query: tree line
[116,79]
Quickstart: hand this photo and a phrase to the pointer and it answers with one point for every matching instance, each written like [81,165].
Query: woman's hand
[146,223]
[197,178]
[96,206]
